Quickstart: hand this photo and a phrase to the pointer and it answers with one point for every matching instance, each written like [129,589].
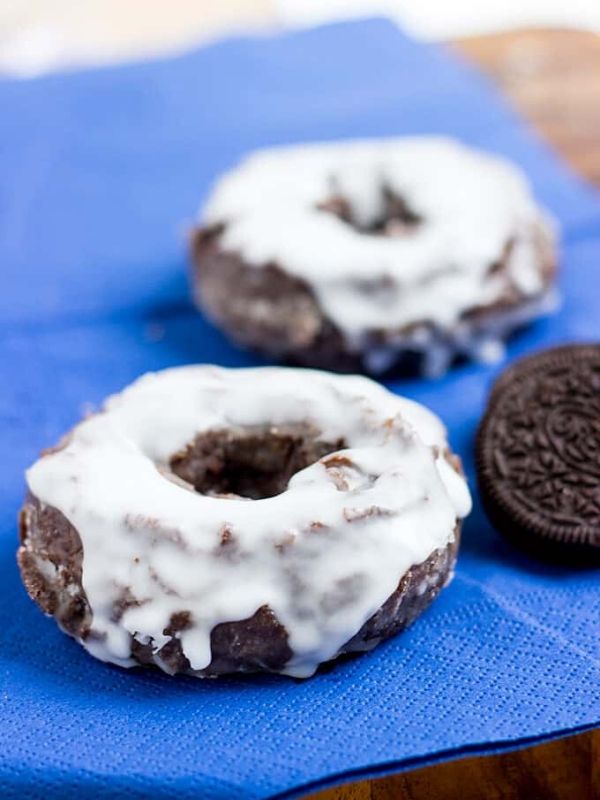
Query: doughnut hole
[253,462]
[394,218]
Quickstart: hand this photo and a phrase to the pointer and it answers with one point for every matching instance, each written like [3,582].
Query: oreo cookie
[538,453]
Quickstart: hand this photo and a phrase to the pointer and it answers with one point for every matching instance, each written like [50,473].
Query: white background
[443,19]
[37,36]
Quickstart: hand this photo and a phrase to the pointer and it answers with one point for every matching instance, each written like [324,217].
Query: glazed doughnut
[379,255]
[210,521]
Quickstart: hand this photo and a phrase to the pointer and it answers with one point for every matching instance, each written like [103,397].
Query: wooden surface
[553,78]
[566,769]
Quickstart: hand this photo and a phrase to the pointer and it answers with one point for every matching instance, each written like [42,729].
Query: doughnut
[374,256]
[209,521]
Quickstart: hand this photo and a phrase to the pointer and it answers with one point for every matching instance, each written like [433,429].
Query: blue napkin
[101,172]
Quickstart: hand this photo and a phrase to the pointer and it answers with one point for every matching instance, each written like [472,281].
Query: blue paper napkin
[101,172]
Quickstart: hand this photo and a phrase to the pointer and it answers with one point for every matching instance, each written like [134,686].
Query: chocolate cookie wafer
[538,453]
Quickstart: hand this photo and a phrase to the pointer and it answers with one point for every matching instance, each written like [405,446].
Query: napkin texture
[101,173]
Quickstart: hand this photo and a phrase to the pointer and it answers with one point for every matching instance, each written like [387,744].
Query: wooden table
[565,769]
[553,78]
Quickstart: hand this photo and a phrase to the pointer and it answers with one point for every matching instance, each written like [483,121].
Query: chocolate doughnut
[210,521]
[374,255]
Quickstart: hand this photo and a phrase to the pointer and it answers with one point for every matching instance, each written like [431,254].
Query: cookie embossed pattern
[538,452]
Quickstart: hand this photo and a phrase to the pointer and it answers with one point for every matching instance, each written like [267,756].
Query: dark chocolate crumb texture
[211,521]
[538,452]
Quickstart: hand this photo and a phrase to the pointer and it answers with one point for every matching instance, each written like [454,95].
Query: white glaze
[142,531]
[480,343]
[472,204]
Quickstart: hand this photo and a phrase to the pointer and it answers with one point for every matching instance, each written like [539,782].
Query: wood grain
[553,78]
[566,769]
